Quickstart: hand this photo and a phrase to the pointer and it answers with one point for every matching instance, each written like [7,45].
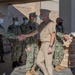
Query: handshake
[22,37]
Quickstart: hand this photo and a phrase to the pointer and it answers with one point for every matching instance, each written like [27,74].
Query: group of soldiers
[26,35]
[17,47]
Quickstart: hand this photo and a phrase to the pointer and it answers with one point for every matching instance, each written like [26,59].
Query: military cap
[25,18]
[1,15]
[46,11]
[15,19]
[59,19]
[33,14]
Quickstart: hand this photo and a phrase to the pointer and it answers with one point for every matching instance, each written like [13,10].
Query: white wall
[51,5]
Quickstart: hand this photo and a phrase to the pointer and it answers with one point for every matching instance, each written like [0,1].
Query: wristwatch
[50,46]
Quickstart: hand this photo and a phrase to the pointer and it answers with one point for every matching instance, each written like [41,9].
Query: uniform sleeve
[51,28]
[61,35]
[7,35]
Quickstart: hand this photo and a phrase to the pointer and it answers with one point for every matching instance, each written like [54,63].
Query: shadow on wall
[17,11]
[14,11]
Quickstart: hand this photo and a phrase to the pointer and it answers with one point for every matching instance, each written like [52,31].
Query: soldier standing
[23,27]
[3,33]
[15,44]
[59,49]
[31,47]
[47,36]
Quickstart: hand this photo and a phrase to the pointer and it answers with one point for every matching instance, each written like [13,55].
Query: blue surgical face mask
[41,17]
[16,23]
[26,21]
[1,21]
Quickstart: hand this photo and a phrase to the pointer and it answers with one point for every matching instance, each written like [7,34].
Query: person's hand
[21,38]
[24,37]
[29,49]
[70,38]
[11,44]
[66,37]
[49,50]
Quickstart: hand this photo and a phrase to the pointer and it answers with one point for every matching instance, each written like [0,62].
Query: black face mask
[60,23]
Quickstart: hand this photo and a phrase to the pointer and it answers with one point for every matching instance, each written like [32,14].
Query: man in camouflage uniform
[3,33]
[23,27]
[15,44]
[59,49]
[31,47]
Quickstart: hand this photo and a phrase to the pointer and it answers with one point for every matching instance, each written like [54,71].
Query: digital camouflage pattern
[59,49]
[31,43]
[23,28]
[7,35]
[15,44]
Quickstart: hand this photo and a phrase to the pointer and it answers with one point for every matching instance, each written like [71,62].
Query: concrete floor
[8,70]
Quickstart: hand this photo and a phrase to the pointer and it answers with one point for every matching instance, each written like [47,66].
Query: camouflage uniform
[7,35]
[16,45]
[3,33]
[59,53]
[23,28]
[31,43]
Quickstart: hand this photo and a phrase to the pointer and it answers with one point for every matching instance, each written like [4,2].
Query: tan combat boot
[33,72]
[57,69]
[61,67]
[28,73]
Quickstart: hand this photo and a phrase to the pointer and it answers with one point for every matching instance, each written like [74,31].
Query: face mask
[35,19]
[1,21]
[26,21]
[41,17]
[60,23]
[16,23]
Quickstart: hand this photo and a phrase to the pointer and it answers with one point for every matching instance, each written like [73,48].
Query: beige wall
[53,6]
[20,10]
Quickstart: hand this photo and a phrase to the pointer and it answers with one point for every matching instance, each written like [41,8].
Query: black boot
[14,64]
[2,60]
[20,59]
[18,64]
